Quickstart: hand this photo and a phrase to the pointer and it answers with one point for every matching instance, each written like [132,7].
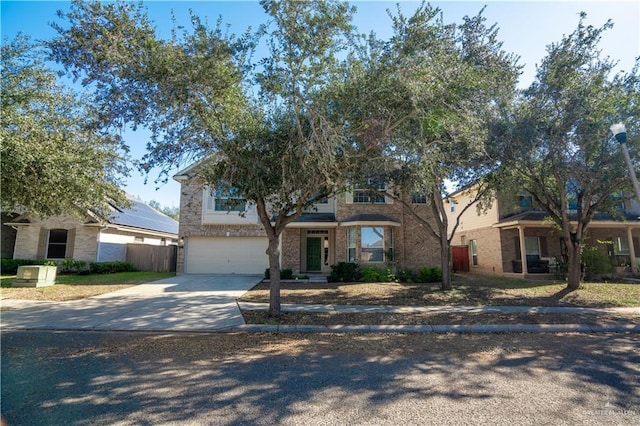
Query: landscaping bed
[329,319]
[468,290]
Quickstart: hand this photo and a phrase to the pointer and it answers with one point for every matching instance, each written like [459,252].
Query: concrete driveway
[181,303]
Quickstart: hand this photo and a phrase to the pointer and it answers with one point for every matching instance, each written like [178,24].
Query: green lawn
[72,287]
[117,278]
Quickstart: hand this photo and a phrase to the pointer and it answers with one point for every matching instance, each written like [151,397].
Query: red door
[460,256]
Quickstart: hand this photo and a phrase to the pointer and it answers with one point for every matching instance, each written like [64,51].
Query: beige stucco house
[91,239]
[512,237]
[353,227]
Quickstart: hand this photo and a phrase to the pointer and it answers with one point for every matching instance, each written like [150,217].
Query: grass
[468,290]
[73,287]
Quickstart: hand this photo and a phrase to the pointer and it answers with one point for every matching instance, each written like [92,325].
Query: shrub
[110,267]
[285,274]
[344,272]
[369,274]
[70,265]
[405,276]
[595,262]
[10,266]
[430,274]
[373,275]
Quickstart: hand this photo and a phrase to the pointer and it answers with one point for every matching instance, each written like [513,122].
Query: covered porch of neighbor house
[531,248]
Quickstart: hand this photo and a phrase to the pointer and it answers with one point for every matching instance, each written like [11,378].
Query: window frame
[352,245]
[366,249]
[368,196]
[57,244]
[473,249]
[219,203]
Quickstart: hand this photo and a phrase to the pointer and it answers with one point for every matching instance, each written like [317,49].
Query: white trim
[370,224]
[311,224]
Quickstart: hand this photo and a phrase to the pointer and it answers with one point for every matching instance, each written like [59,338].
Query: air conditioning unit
[35,276]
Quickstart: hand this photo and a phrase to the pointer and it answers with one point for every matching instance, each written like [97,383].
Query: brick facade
[87,242]
[413,246]
[29,244]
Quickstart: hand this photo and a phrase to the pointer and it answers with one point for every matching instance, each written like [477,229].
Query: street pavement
[122,378]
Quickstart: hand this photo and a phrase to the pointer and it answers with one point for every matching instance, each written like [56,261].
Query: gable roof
[140,215]
[137,215]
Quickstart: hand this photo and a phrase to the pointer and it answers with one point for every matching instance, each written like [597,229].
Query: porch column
[523,250]
[632,251]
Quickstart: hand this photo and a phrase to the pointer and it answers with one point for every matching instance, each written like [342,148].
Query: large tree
[555,141]
[433,90]
[54,158]
[282,150]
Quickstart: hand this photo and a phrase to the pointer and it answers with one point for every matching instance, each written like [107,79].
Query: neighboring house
[354,227]
[8,236]
[512,237]
[91,239]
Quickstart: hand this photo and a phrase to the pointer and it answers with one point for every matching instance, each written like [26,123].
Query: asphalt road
[107,378]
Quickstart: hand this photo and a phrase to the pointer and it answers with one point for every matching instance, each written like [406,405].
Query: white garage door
[237,255]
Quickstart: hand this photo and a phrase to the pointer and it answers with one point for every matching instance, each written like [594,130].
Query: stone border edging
[439,329]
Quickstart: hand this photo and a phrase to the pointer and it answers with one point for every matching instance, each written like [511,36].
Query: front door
[314,254]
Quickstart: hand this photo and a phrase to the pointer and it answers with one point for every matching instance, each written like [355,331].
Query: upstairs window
[367,194]
[227,201]
[525,201]
[419,198]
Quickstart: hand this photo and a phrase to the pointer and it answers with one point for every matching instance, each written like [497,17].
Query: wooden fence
[152,258]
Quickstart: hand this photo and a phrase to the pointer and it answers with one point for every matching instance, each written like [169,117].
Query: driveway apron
[181,303]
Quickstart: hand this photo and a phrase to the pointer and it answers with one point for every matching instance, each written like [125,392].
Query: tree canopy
[55,159]
[433,89]
[281,151]
[555,143]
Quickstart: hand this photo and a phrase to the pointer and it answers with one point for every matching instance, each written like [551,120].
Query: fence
[152,258]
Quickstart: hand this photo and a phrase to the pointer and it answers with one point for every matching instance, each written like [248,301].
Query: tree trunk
[574,273]
[445,262]
[274,277]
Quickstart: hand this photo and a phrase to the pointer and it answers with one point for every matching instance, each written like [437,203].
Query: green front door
[314,254]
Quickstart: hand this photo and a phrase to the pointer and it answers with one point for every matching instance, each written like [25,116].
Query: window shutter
[71,240]
[42,243]
[544,252]
[348,197]
[516,241]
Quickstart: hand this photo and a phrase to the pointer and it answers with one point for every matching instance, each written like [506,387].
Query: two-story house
[512,237]
[359,226]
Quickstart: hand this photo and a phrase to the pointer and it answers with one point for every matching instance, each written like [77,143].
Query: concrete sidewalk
[206,303]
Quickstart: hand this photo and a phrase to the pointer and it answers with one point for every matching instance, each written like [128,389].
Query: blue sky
[526,28]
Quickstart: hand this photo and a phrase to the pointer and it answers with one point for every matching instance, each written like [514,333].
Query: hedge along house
[91,239]
[513,238]
[360,227]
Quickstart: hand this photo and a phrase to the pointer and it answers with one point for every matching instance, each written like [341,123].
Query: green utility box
[35,276]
